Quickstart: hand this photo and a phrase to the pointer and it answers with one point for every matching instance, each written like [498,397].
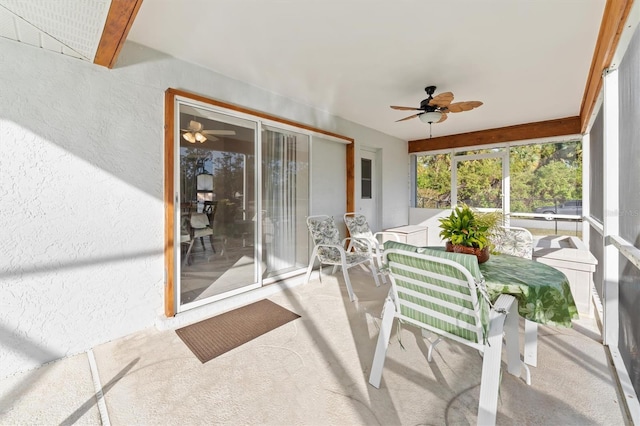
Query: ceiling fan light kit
[189,137]
[195,133]
[431,117]
[434,109]
[194,137]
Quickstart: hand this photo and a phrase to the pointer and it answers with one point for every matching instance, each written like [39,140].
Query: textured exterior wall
[81,178]
[81,253]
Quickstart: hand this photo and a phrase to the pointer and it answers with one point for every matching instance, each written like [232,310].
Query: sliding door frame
[170,308]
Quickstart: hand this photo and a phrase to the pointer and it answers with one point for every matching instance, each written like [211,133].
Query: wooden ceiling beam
[541,129]
[120,18]
[613,21]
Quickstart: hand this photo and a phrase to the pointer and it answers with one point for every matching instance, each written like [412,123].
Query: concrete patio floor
[314,371]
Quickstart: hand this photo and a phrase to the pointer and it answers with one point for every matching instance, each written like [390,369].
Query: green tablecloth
[543,293]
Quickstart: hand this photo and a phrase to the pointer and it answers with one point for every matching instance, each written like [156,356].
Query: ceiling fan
[434,109]
[195,133]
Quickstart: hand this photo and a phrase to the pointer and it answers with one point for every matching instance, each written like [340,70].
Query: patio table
[543,292]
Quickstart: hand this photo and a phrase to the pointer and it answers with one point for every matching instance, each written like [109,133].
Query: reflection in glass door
[216,205]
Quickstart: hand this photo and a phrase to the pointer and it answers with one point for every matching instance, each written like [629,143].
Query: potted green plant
[468,231]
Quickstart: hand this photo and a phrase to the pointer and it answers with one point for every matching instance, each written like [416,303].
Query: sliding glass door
[242,198]
[285,201]
[216,205]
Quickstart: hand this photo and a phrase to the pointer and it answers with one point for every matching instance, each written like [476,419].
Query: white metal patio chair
[363,239]
[330,251]
[441,295]
[518,241]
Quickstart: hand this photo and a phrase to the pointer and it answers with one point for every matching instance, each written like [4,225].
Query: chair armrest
[362,241]
[357,240]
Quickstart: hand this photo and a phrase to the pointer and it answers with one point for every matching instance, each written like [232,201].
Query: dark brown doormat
[214,336]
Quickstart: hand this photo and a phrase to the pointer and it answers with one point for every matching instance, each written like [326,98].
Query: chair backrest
[199,220]
[436,292]
[324,231]
[359,229]
[357,225]
[470,262]
[185,228]
[210,208]
[513,240]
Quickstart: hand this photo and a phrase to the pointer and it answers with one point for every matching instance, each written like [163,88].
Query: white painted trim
[586,188]
[627,249]
[211,299]
[454,180]
[214,308]
[625,37]
[257,181]
[595,224]
[611,220]
[595,111]
[502,154]
[413,178]
[625,386]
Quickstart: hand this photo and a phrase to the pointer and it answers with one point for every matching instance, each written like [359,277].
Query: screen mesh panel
[629,212]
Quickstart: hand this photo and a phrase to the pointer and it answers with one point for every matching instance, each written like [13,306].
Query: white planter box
[409,234]
[571,256]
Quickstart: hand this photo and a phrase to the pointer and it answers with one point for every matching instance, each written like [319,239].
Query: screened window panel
[595,246]
[629,208]
[629,107]
[596,141]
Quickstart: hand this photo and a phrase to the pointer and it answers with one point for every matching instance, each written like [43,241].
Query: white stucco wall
[81,179]
[328,190]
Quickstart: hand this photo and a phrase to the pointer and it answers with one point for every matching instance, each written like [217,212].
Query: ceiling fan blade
[409,117]
[220,132]
[463,106]
[442,99]
[405,108]
[195,126]
[444,117]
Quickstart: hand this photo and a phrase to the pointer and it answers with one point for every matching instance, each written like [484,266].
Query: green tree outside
[540,174]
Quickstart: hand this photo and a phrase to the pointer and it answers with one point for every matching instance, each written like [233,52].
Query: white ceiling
[527,60]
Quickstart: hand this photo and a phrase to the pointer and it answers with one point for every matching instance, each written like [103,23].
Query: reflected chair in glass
[200,227]
[185,238]
[330,251]
[362,238]
[441,295]
[518,241]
